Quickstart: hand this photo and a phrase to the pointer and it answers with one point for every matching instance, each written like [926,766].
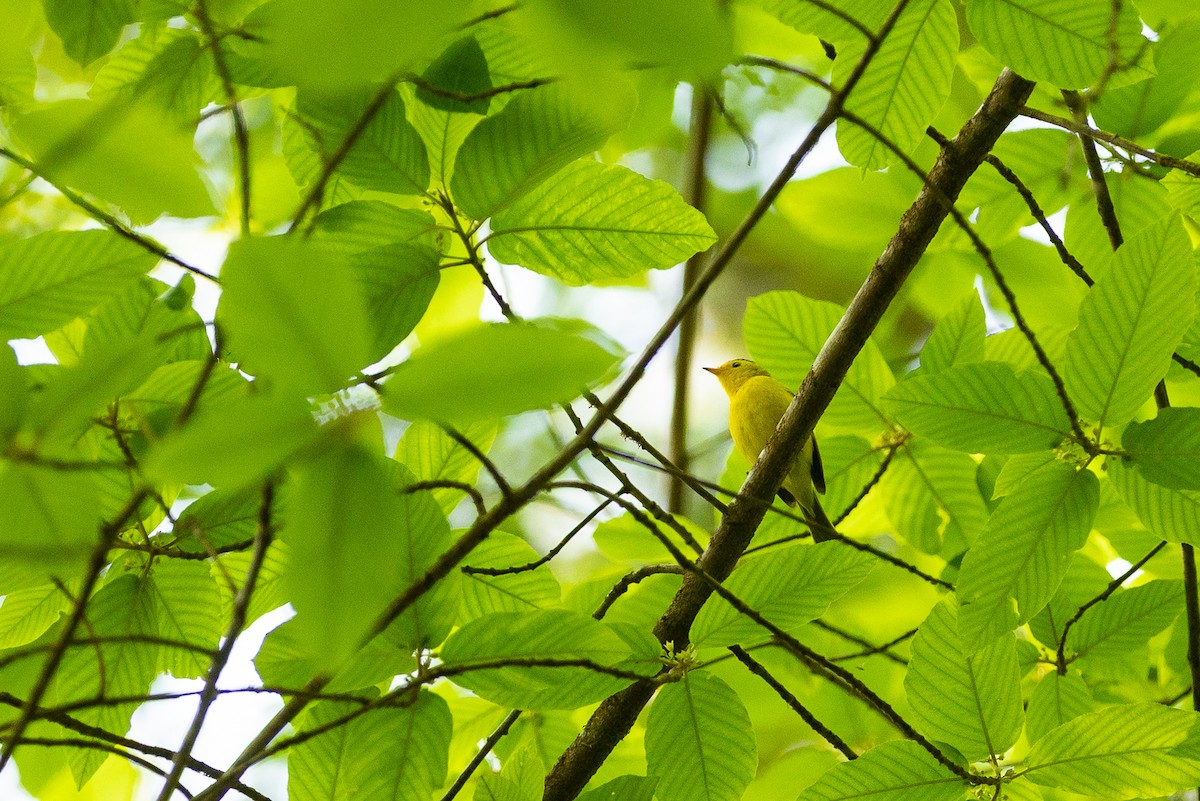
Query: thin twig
[792,701]
[481,755]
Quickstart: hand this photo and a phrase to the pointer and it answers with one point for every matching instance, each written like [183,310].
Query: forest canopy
[354,442]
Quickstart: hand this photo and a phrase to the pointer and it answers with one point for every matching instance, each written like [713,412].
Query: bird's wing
[818,469]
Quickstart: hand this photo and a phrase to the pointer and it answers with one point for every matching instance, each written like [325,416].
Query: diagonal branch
[955,164]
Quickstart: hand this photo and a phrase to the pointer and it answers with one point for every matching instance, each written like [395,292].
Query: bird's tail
[820,525]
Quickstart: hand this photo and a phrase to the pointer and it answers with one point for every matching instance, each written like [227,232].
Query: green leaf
[1111,629]
[132,155]
[1172,514]
[121,611]
[972,702]
[784,331]
[1024,552]
[981,408]
[932,497]
[354,43]
[851,463]
[1138,110]
[789,585]
[89,28]
[530,636]
[958,337]
[1023,466]
[363,225]
[1166,450]
[66,406]
[387,155]
[234,445]
[402,754]
[170,67]
[1044,160]
[1130,323]
[293,312]
[1057,700]
[270,592]
[627,539]
[521,778]
[444,117]
[26,614]
[461,69]
[623,788]
[1120,752]
[904,86]
[820,19]
[899,770]
[1065,42]
[493,371]
[397,283]
[509,592]
[50,517]
[537,134]
[433,455]
[188,604]
[392,754]
[598,221]
[356,543]
[49,279]
[699,743]
[220,518]
[14,393]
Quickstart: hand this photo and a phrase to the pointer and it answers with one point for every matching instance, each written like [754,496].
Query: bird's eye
[737,364]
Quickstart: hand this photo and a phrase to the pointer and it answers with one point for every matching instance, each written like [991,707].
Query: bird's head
[736,372]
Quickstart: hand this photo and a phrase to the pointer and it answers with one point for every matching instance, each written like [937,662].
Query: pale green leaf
[270,592]
[26,614]
[542,634]
[339,46]
[189,605]
[234,445]
[89,28]
[123,611]
[984,407]
[493,371]
[48,279]
[899,770]
[220,518]
[1130,323]
[508,592]
[387,155]
[1138,110]
[958,337]
[433,455]
[784,331]
[789,585]
[972,702]
[169,66]
[1018,468]
[133,155]
[699,743]
[598,221]
[1111,629]
[1120,752]
[903,87]
[834,22]
[293,312]
[442,120]
[1024,551]
[537,134]
[391,754]
[1166,450]
[1172,514]
[397,283]
[521,778]
[363,225]
[932,497]
[50,517]
[1065,42]
[1057,700]
[623,788]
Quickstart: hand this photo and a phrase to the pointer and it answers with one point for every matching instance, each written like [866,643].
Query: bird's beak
[712,370]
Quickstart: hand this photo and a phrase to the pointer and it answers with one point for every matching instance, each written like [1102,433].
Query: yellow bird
[756,403]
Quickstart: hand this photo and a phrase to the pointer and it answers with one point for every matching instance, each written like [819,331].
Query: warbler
[756,403]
